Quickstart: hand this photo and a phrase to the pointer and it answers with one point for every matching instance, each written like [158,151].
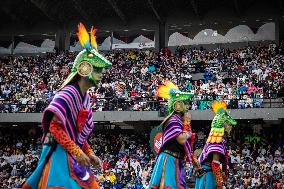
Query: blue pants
[207,181]
[58,170]
[168,172]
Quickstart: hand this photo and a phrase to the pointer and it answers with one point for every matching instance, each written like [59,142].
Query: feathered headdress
[217,126]
[167,90]
[88,56]
[171,92]
[86,41]
[216,106]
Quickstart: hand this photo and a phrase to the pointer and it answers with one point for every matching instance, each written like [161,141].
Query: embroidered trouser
[206,181]
[168,173]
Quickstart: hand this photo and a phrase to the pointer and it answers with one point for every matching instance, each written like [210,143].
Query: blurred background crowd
[244,78]
[256,159]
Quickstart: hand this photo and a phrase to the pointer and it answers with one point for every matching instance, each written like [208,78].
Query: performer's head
[181,107]
[178,100]
[222,122]
[88,65]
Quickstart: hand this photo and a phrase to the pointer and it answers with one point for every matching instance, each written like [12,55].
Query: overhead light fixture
[200,24]
[107,31]
[215,22]
[270,19]
[144,29]
[243,21]
[173,26]
[257,20]
[125,30]
[14,125]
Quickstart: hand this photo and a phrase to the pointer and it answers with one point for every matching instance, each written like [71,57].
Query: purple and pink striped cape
[66,105]
[215,147]
[174,127]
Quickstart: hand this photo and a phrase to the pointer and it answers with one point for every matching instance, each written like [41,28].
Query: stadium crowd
[255,161]
[241,77]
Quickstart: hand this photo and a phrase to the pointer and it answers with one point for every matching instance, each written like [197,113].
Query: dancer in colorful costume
[212,175]
[176,149]
[67,123]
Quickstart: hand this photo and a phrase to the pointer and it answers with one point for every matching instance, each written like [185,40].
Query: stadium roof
[30,12]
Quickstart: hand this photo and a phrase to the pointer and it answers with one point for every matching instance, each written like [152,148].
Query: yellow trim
[163,178]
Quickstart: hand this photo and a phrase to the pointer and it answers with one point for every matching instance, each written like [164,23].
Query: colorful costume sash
[215,147]
[172,128]
[66,105]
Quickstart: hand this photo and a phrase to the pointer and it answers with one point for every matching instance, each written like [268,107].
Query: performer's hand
[197,165]
[83,160]
[195,162]
[95,161]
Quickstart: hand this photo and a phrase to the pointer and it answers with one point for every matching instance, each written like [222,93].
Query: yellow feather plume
[216,106]
[164,90]
[171,85]
[94,38]
[83,36]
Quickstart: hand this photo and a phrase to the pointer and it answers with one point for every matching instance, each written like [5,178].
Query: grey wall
[121,116]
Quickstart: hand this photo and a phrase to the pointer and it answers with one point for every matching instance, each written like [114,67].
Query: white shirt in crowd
[246,152]
[235,159]
[260,158]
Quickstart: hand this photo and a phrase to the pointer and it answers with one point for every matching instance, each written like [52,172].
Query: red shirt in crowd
[105,165]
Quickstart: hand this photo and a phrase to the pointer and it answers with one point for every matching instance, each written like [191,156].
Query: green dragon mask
[218,124]
[88,59]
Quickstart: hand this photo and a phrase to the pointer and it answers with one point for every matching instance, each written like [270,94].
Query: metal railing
[147,104]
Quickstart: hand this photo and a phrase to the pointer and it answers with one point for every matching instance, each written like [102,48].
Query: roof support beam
[10,13]
[281,6]
[237,8]
[78,6]
[154,10]
[46,7]
[194,6]
[118,11]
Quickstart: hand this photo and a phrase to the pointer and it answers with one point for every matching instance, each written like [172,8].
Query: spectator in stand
[252,73]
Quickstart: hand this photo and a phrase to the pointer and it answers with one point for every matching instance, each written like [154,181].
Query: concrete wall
[121,116]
